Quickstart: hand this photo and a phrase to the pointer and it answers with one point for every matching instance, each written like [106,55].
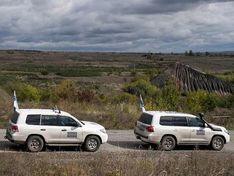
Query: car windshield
[79,120]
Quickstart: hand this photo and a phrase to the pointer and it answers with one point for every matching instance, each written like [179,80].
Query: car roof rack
[56,110]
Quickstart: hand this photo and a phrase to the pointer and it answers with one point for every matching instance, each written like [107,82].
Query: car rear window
[146,118]
[33,119]
[14,117]
[173,121]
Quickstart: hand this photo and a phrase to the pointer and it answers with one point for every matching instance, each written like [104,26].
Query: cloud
[117,25]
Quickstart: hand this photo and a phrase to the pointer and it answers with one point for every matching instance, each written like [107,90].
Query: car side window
[33,119]
[195,122]
[67,121]
[49,120]
[166,120]
[180,121]
[173,121]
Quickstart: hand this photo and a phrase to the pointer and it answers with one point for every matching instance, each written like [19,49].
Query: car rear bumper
[13,139]
[147,139]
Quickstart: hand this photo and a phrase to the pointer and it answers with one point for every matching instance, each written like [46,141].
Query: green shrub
[170,98]
[142,87]
[65,90]
[202,101]
[124,98]
[26,91]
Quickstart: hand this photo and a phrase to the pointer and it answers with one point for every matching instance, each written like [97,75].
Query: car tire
[217,143]
[92,143]
[35,143]
[168,143]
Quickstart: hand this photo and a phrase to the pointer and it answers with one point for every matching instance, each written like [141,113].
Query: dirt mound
[189,79]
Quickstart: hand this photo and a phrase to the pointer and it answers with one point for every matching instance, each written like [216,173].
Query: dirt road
[119,140]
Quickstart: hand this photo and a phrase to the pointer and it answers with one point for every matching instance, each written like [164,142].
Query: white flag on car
[15,104]
[142,106]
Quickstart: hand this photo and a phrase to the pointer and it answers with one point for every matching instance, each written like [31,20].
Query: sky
[117,25]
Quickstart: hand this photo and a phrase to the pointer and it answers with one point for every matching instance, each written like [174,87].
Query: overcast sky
[117,25]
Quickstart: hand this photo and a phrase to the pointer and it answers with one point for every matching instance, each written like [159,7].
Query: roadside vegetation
[104,87]
[120,110]
[194,163]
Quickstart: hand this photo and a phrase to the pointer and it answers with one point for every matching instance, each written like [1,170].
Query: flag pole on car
[142,106]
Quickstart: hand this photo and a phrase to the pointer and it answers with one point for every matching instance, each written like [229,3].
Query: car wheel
[168,143]
[92,143]
[35,144]
[217,143]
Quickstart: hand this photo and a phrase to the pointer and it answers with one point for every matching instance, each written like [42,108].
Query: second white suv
[169,129]
[39,127]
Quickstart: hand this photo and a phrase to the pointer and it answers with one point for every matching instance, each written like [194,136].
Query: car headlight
[103,130]
[226,131]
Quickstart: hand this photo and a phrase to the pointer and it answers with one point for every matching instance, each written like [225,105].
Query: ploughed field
[112,67]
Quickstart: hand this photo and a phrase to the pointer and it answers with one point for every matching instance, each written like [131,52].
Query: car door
[181,129]
[49,128]
[199,133]
[70,130]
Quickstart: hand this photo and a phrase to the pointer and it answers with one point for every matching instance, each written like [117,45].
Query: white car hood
[216,126]
[92,124]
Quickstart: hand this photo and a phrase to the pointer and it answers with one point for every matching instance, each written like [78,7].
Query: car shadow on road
[137,145]
[8,146]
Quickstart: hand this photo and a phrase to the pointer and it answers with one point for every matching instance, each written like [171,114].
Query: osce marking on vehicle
[72,134]
[200,132]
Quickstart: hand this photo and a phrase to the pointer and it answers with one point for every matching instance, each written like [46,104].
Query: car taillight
[150,129]
[14,128]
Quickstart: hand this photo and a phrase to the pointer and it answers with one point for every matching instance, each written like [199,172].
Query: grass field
[95,84]
[195,163]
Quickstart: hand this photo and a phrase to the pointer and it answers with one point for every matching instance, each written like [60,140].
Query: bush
[25,91]
[124,98]
[171,96]
[142,87]
[65,90]
[202,101]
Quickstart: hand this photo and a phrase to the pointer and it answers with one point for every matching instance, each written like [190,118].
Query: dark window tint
[196,122]
[146,118]
[67,121]
[33,119]
[14,117]
[166,120]
[50,120]
[180,121]
[173,121]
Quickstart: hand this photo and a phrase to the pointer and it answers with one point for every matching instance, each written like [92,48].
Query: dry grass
[114,164]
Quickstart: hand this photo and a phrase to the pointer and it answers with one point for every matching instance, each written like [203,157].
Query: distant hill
[189,79]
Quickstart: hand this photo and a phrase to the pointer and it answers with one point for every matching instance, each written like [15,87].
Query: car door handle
[43,129]
[63,130]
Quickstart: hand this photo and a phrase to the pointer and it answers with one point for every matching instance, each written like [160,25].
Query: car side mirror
[76,125]
[203,125]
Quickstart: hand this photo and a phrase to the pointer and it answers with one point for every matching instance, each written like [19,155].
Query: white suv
[169,129]
[39,127]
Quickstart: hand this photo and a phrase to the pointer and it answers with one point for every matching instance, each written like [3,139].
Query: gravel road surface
[119,140]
